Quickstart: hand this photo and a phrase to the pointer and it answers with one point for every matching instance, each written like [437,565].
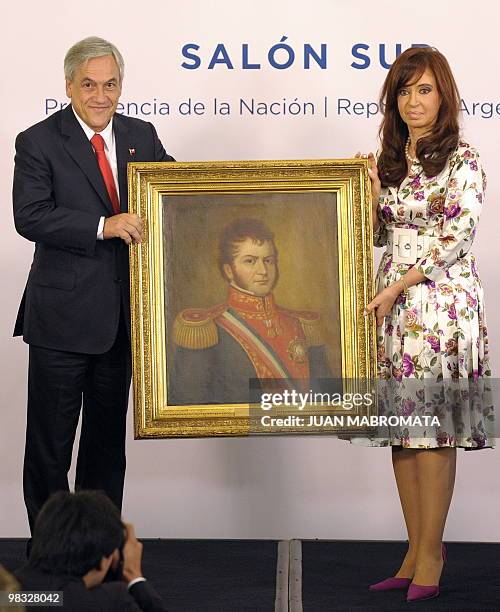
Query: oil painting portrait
[252,277]
[252,293]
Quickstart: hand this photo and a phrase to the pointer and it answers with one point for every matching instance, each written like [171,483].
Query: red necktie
[98,143]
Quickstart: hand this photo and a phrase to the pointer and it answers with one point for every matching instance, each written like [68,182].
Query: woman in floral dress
[428,187]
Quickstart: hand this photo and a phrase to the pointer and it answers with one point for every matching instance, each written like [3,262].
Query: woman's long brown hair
[434,149]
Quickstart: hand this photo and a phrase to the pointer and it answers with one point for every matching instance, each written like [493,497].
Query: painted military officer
[220,349]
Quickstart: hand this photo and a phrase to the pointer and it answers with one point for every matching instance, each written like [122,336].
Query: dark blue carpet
[198,575]
[239,575]
[336,575]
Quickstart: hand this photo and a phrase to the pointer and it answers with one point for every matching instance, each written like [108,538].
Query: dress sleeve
[462,205]
[380,234]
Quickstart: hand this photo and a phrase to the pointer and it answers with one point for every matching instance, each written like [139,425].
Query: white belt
[405,245]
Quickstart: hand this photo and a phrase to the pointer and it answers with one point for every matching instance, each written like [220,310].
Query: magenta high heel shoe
[391,584]
[420,592]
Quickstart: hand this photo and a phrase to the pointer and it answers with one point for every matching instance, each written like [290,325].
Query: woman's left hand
[383,302]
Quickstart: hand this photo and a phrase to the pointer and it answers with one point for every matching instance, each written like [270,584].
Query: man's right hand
[132,555]
[127,226]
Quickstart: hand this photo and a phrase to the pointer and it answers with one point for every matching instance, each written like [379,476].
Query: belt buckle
[404,245]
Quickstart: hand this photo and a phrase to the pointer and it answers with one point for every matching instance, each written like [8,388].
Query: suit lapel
[80,149]
[124,146]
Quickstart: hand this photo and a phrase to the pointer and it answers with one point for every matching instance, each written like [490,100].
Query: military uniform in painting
[220,349]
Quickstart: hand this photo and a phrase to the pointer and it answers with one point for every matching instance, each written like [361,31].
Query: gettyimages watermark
[299,401]
[445,412]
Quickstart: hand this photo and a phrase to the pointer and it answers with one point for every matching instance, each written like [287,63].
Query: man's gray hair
[87,49]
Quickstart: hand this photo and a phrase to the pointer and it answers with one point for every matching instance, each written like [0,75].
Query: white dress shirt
[110,150]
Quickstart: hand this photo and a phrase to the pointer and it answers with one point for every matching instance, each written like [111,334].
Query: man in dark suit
[70,199]
[82,548]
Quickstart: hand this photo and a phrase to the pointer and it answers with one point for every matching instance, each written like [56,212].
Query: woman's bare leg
[404,462]
[436,477]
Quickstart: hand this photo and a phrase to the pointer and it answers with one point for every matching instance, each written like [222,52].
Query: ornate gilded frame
[148,183]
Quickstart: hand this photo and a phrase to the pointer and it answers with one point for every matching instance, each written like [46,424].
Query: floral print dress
[433,347]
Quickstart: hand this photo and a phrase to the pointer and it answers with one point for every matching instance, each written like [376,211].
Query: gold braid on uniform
[312,330]
[194,328]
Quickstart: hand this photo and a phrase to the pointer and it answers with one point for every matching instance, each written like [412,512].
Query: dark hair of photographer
[73,532]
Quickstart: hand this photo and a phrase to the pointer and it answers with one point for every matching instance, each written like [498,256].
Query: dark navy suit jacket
[77,284]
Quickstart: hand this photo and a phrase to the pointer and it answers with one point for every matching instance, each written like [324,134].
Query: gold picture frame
[194,194]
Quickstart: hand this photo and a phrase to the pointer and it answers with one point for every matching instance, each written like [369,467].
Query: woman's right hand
[373,174]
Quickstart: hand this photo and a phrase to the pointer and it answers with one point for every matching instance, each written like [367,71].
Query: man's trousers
[60,383]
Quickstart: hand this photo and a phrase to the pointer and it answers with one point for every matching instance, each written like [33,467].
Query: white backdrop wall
[266,487]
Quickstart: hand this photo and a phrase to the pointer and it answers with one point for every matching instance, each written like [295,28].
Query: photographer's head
[75,532]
